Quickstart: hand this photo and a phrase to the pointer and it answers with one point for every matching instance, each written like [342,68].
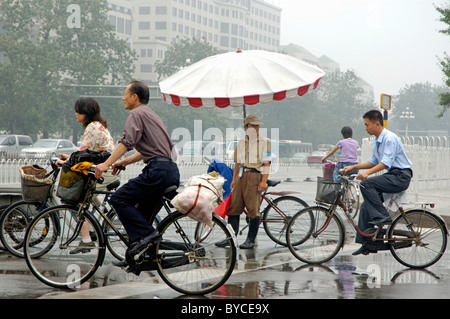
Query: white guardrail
[430,157]
[9,170]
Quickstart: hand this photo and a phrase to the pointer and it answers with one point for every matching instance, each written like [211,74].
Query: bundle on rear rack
[200,196]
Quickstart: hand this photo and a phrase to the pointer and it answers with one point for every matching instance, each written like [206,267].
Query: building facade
[225,24]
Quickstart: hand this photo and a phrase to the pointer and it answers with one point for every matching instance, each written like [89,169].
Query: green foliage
[183,52]
[422,100]
[445,62]
[319,115]
[42,53]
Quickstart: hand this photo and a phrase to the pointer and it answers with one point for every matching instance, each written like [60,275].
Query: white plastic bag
[200,197]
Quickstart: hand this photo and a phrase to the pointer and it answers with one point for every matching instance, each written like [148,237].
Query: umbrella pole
[245,111]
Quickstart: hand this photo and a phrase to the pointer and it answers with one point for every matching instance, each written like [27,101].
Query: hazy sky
[389,43]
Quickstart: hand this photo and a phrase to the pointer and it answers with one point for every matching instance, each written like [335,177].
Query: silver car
[46,148]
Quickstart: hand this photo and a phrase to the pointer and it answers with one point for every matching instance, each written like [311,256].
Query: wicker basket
[35,185]
[72,186]
[327,190]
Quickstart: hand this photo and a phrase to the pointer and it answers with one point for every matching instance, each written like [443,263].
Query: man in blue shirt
[388,154]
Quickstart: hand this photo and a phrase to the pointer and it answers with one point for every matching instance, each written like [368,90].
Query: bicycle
[16,217]
[417,238]
[186,258]
[278,212]
[351,194]
[276,215]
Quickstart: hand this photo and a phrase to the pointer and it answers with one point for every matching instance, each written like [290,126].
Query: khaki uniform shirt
[253,154]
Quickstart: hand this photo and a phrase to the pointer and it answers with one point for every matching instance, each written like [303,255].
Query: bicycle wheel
[2,209]
[321,237]
[56,266]
[427,236]
[187,258]
[115,244]
[14,222]
[277,215]
[351,199]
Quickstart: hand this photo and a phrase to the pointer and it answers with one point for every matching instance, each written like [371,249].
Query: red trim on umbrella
[316,83]
[278,96]
[248,99]
[222,101]
[175,99]
[302,90]
[195,101]
[251,99]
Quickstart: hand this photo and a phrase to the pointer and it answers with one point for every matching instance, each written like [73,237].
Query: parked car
[47,148]
[10,145]
[194,151]
[316,157]
[301,157]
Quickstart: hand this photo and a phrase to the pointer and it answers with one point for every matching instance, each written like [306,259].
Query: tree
[421,99]
[44,50]
[445,62]
[193,50]
[319,115]
[182,53]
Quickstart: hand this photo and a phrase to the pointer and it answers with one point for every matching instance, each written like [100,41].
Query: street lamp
[407,115]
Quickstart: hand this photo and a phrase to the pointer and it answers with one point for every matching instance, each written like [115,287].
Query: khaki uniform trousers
[245,195]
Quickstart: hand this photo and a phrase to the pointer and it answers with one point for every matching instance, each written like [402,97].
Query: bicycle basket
[35,183]
[72,186]
[327,190]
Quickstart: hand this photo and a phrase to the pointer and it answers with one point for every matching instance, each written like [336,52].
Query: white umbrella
[240,78]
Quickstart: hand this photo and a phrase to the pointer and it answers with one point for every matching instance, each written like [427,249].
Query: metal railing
[430,157]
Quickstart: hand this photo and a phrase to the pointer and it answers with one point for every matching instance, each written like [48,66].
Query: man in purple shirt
[136,202]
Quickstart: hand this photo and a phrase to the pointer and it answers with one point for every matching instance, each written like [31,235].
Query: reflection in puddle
[339,278]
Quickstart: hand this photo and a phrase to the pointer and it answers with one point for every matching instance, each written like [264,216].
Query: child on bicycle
[349,148]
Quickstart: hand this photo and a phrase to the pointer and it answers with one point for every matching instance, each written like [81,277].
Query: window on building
[146,68]
[224,41]
[224,27]
[161,25]
[144,25]
[144,10]
[161,10]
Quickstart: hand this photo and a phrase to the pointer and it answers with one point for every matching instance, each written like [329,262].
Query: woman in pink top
[349,152]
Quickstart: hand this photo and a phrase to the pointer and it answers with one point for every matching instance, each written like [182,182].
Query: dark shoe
[253,227]
[247,245]
[223,243]
[380,222]
[83,248]
[362,250]
[153,238]
[121,264]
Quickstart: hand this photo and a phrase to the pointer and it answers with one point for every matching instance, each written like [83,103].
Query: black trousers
[372,189]
[138,201]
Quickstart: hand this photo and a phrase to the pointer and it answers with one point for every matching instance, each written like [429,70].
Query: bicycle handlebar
[347,177]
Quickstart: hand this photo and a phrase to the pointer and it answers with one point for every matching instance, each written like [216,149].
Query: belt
[159,159]
[401,169]
[251,170]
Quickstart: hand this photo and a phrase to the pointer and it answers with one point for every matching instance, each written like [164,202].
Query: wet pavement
[268,272]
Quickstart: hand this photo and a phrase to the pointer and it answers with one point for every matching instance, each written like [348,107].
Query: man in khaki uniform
[252,159]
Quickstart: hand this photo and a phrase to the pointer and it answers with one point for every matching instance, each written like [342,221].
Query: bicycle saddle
[113,185]
[271,182]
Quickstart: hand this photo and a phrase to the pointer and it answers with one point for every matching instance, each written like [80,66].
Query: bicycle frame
[374,235]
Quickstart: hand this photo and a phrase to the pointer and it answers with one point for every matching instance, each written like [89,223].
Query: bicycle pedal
[133,270]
